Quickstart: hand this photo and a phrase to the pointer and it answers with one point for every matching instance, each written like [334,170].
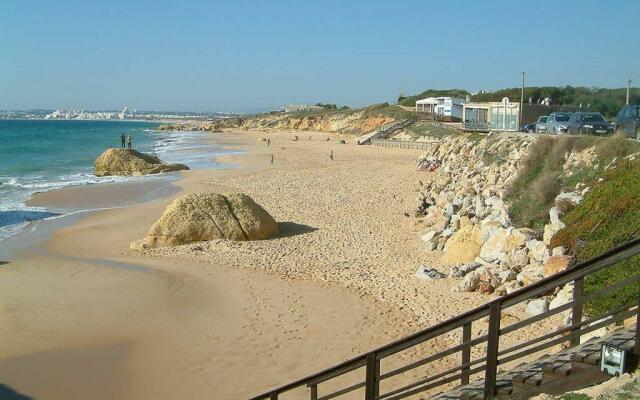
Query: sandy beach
[86,317]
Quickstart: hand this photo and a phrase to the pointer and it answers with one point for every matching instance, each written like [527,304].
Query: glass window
[593,117]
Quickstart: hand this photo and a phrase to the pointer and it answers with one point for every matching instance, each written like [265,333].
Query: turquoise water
[39,155]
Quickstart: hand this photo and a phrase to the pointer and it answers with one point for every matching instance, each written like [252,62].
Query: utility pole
[522,101]
[628,89]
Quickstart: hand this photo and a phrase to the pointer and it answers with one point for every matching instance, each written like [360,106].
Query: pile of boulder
[465,213]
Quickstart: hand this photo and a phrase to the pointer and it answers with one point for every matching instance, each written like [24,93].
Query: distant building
[498,116]
[448,109]
[491,116]
[300,107]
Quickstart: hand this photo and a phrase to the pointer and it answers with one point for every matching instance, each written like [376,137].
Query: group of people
[295,139]
[125,141]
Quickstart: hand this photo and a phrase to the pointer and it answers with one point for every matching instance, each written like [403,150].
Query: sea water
[43,155]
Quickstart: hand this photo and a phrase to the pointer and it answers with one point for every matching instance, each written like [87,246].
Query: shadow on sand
[288,229]
[6,393]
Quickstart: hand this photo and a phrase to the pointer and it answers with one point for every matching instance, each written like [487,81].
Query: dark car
[628,121]
[529,128]
[557,123]
[588,123]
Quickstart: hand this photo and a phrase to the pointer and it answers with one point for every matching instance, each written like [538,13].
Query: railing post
[637,346]
[372,388]
[314,391]
[576,311]
[466,354]
[493,342]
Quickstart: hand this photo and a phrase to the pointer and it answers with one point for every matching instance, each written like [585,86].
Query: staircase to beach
[385,130]
[485,363]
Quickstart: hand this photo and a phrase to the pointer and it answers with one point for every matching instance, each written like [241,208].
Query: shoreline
[286,327]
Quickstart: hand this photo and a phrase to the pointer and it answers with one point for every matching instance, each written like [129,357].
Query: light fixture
[612,359]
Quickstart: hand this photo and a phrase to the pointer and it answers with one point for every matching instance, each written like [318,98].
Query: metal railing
[492,354]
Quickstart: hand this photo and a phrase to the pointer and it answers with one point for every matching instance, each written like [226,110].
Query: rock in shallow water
[127,162]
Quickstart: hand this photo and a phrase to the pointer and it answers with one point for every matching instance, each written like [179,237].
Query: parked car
[541,125]
[589,123]
[557,123]
[628,121]
[529,128]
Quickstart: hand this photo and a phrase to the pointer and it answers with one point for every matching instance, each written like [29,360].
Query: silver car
[541,124]
[558,123]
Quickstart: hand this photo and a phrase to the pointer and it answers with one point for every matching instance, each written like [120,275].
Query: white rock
[554,216]
[507,276]
[470,282]
[550,231]
[428,236]
[558,251]
[537,306]
[537,250]
[572,197]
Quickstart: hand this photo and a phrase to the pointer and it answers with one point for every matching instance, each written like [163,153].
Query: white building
[492,116]
[447,109]
[300,107]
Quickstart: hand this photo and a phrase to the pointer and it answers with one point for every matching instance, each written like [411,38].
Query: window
[593,118]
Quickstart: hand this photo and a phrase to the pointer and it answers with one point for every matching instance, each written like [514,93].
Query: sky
[197,55]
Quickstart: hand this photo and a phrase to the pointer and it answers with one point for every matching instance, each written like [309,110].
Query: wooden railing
[492,353]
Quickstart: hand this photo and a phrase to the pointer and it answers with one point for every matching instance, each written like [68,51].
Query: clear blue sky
[248,55]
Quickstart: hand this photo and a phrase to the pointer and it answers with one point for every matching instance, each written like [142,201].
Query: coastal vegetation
[608,217]
[544,172]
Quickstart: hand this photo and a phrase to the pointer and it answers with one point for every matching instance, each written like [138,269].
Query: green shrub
[609,216]
[574,396]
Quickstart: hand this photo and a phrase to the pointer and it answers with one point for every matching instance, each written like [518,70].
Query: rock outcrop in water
[127,162]
[207,216]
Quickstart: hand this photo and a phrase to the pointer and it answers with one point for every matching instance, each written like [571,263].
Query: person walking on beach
[331,155]
[123,139]
[268,142]
[272,159]
[129,142]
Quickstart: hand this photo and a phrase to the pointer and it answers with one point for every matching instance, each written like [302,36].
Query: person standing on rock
[123,139]
[129,142]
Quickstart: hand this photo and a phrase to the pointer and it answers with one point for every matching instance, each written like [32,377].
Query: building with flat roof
[448,109]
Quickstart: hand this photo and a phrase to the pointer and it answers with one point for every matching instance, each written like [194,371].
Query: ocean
[43,155]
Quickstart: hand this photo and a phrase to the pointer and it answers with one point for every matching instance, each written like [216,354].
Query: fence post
[314,391]
[576,311]
[372,388]
[637,347]
[493,342]
[466,354]
[273,396]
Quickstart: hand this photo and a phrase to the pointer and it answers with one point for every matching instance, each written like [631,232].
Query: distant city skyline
[246,56]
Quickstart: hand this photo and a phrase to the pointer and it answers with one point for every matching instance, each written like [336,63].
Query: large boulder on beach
[207,216]
[128,162]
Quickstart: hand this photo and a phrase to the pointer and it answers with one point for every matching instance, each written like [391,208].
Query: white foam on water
[184,147]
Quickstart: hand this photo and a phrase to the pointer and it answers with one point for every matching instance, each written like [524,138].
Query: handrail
[492,309]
